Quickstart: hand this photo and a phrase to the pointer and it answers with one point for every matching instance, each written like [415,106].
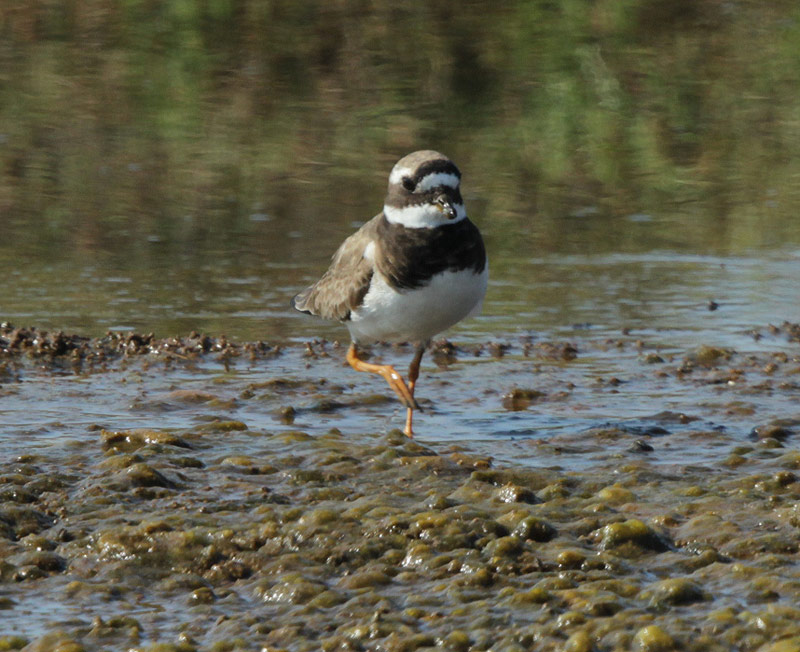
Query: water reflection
[179,167]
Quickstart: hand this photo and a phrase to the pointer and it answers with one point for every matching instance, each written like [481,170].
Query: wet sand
[200,494]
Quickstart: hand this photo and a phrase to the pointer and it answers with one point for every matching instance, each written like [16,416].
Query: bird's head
[424,191]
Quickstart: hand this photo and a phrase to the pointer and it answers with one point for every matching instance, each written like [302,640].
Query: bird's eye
[408,184]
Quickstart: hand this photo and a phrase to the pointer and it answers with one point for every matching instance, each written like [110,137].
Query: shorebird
[411,272]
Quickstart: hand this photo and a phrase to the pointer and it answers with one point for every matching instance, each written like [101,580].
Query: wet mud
[199,494]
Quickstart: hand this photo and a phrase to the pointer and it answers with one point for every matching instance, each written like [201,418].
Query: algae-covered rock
[570,618]
[504,547]
[16,495]
[365,579]
[579,641]
[120,461]
[789,460]
[784,478]
[12,643]
[131,440]
[708,356]
[327,599]
[770,542]
[511,493]
[222,426]
[520,399]
[103,627]
[632,531]
[536,595]
[292,588]
[615,495]
[22,520]
[791,644]
[203,595]
[570,559]
[652,639]
[45,560]
[57,641]
[771,431]
[534,528]
[144,475]
[28,572]
[674,591]
[248,464]
[458,641]
[552,492]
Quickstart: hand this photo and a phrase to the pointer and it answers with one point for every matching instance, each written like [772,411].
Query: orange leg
[413,374]
[394,379]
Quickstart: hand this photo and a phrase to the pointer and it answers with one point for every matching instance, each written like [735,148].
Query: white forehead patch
[424,216]
[437,179]
[398,173]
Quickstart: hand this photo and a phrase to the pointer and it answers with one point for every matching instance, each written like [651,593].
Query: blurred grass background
[181,119]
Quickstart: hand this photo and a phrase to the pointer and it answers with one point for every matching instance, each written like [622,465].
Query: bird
[414,270]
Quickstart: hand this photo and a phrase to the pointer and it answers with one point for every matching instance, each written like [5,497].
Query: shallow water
[611,382]
[661,293]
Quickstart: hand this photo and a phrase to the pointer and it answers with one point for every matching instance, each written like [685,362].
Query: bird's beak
[447,207]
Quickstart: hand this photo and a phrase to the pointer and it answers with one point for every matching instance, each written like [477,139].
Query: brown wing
[342,288]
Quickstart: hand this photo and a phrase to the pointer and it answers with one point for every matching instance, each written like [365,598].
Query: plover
[411,272]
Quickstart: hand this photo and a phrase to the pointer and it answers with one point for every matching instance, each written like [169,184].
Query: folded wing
[343,287]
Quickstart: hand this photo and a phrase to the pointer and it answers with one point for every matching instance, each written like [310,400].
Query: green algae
[316,552]
[653,639]
[674,591]
[632,531]
[535,529]
[317,539]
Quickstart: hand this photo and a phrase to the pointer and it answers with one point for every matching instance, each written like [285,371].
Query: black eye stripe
[409,184]
[439,165]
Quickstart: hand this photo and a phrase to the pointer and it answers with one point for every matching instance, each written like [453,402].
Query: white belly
[419,314]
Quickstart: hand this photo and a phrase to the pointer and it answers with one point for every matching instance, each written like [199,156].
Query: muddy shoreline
[200,494]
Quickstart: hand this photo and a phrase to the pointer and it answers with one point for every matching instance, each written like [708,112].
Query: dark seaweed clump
[57,348]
